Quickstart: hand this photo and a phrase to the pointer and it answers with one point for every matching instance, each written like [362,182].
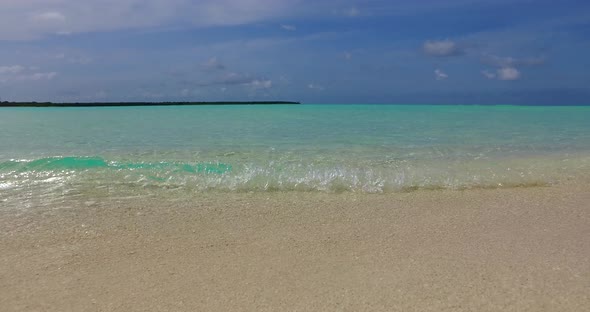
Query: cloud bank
[37,18]
[442,48]
[18,73]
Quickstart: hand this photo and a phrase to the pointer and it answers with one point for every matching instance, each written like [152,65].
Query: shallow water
[48,154]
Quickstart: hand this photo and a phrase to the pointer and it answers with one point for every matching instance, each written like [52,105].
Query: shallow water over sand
[49,154]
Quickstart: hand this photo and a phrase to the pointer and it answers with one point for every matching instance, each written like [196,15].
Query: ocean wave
[83,173]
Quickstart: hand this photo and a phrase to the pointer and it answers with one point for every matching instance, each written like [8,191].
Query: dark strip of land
[118,104]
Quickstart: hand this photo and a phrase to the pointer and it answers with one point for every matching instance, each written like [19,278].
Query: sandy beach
[520,249]
[279,155]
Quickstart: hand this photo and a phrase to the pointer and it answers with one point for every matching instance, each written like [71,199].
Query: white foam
[7,186]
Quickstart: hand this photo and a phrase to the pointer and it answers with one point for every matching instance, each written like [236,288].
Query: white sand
[479,250]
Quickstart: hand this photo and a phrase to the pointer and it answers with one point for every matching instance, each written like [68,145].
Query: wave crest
[282,175]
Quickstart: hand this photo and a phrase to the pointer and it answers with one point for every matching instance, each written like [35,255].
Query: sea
[50,155]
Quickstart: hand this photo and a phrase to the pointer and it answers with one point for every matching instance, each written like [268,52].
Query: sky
[322,51]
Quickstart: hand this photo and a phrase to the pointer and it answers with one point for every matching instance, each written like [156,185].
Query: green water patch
[94,163]
[65,163]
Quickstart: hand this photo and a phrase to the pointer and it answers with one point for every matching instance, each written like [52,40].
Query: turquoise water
[53,153]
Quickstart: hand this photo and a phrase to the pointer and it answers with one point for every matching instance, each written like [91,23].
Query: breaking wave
[45,175]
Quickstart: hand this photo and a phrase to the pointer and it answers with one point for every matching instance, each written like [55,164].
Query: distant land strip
[118,104]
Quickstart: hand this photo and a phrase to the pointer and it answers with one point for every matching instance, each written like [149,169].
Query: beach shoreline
[519,249]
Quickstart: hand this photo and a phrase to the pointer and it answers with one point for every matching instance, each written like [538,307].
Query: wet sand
[515,249]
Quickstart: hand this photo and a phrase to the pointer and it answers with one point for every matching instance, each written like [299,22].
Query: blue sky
[374,51]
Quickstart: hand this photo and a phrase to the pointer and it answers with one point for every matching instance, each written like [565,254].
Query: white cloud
[260,84]
[14,69]
[488,74]
[507,66]
[509,61]
[229,79]
[441,48]
[315,87]
[189,92]
[347,55]
[213,64]
[41,76]
[508,73]
[51,16]
[440,75]
[36,18]
[504,73]
[288,27]
[22,73]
